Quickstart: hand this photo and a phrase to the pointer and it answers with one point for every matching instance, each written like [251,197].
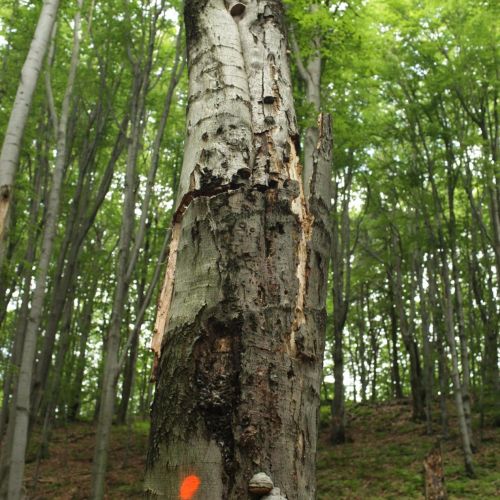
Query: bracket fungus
[275,494]
[235,7]
[260,484]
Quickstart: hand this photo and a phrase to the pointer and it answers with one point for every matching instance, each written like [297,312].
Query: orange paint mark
[189,487]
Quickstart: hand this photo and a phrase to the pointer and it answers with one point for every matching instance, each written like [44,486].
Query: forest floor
[383,460]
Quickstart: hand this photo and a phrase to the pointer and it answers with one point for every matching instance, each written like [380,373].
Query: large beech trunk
[241,317]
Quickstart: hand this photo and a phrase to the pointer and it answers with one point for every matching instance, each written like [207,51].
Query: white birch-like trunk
[22,401]
[9,156]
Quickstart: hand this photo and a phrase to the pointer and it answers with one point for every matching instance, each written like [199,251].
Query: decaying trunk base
[240,330]
[435,488]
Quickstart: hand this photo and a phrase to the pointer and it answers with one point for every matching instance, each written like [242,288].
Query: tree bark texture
[241,317]
[9,156]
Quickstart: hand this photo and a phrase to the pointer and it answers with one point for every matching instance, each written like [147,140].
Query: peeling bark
[241,317]
[161,322]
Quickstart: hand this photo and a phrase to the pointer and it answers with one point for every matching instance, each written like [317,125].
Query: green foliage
[114,34]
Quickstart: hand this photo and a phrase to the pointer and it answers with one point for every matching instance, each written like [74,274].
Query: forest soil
[383,460]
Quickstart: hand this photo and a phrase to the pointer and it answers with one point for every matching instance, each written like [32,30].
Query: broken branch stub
[435,487]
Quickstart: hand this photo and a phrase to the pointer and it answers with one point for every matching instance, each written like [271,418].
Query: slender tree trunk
[66,273]
[437,323]
[337,432]
[239,329]
[361,344]
[464,348]
[486,305]
[341,269]
[52,398]
[128,253]
[310,73]
[110,368]
[10,382]
[427,353]
[448,312]
[9,156]
[85,324]
[443,385]
[22,410]
[128,380]
[455,370]
[397,388]
[354,370]
[22,315]
[374,344]
[417,389]
[130,364]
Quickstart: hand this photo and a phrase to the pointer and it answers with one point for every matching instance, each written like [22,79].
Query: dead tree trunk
[241,317]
